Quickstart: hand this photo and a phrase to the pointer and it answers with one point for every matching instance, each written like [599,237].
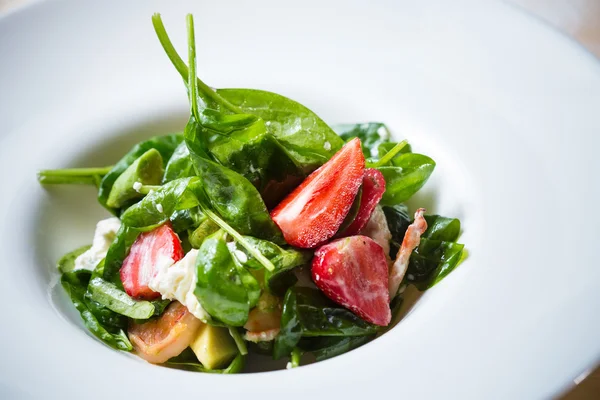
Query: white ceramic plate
[508,108]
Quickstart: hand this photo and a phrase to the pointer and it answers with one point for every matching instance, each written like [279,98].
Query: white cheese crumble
[105,233]
[288,365]
[159,208]
[241,256]
[327,146]
[178,281]
[137,186]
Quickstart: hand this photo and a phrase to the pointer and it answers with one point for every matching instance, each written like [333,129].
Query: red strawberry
[315,210]
[353,272]
[373,187]
[149,249]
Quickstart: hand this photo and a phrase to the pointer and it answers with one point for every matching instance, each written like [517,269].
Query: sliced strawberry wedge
[373,187]
[353,272]
[160,245]
[315,210]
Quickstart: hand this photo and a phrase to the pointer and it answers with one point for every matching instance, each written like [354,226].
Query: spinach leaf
[308,313]
[442,228]
[180,164]
[219,287]
[159,205]
[327,347]
[190,218]
[398,221]
[371,135]
[147,169]
[117,252]
[75,283]
[164,144]
[283,259]
[431,261]
[409,174]
[116,300]
[105,316]
[67,262]
[73,176]
[187,360]
[385,148]
[309,140]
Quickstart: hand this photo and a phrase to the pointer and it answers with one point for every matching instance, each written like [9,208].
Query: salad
[258,229]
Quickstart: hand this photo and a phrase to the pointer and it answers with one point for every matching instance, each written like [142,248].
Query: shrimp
[412,238]
[158,340]
[264,320]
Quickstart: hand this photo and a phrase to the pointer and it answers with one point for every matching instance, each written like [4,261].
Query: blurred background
[579,19]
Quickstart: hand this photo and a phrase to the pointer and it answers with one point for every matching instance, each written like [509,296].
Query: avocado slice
[214,346]
[147,169]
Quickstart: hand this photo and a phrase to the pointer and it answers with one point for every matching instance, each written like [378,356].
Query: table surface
[579,19]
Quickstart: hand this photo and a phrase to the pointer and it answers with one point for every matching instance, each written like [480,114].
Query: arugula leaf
[75,283]
[164,144]
[431,261]
[371,135]
[219,286]
[187,360]
[67,262]
[406,177]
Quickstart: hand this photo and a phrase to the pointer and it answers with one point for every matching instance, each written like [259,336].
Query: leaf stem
[192,83]
[295,357]
[239,238]
[180,66]
[239,340]
[75,176]
[389,155]
[145,189]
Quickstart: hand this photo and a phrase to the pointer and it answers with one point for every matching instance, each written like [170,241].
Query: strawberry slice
[160,245]
[315,210]
[373,186]
[353,272]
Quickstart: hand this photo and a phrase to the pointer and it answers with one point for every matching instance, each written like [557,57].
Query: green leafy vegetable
[165,145]
[73,176]
[327,347]
[385,148]
[307,313]
[432,261]
[75,283]
[398,221]
[115,299]
[219,287]
[117,252]
[239,340]
[371,135]
[442,228]
[409,174]
[180,164]
[67,262]
[188,361]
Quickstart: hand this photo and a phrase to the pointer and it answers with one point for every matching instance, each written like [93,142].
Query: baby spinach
[406,177]
[442,228]
[327,347]
[180,164]
[75,283]
[158,206]
[398,221]
[73,176]
[165,145]
[308,313]
[106,317]
[187,360]
[431,261]
[67,262]
[118,250]
[115,299]
[190,218]
[147,169]
[371,135]
[386,148]
[219,287]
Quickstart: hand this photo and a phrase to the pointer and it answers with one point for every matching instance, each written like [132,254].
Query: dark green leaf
[188,361]
[291,330]
[327,347]
[409,174]
[67,262]
[116,300]
[432,261]
[398,221]
[351,216]
[219,287]
[442,228]
[75,283]
[191,218]
[371,135]
[164,144]
[180,164]
[118,250]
